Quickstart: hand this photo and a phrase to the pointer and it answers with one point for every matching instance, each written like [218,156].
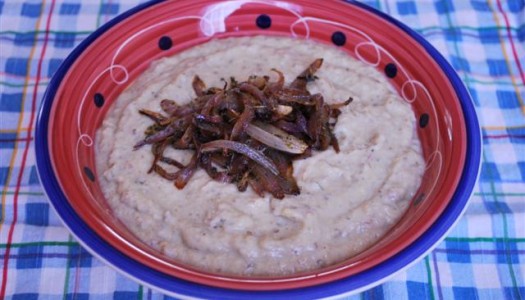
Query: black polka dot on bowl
[391,70]
[339,38]
[263,21]
[165,43]
[418,199]
[423,120]
[89,174]
[99,100]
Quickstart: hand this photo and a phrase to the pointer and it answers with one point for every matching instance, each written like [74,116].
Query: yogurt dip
[348,200]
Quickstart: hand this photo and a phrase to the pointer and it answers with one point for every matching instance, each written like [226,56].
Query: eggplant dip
[259,156]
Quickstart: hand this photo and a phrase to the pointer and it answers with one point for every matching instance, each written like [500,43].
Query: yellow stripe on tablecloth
[17,130]
[21,117]
[503,127]
[507,60]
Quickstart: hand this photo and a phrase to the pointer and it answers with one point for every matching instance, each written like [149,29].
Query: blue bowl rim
[178,287]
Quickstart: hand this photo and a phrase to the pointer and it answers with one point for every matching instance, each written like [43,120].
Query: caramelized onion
[276,138]
[243,149]
[245,133]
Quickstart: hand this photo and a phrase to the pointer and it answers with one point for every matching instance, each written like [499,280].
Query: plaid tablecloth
[483,257]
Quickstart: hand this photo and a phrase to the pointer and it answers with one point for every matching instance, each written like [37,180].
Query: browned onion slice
[275,138]
[242,149]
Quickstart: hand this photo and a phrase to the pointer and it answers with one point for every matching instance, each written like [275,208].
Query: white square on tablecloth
[492,117]
[49,279]
[445,274]
[476,51]
[503,153]
[513,187]
[400,276]
[101,280]
[11,282]
[427,19]
[486,276]
[479,226]
[56,233]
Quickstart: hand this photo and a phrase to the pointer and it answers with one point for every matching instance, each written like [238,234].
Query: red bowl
[101,68]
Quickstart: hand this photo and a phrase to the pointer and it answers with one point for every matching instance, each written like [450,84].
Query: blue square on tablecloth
[11,102]
[78,296]
[16,66]
[514,292]
[33,176]
[407,8]
[479,5]
[516,6]
[25,296]
[69,8]
[25,39]
[494,207]
[521,33]
[80,257]
[30,257]
[453,35]
[489,35]
[489,172]
[37,214]
[474,94]
[109,9]
[3,175]
[373,294]
[485,133]
[444,6]
[517,138]
[497,67]
[465,293]
[507,252]
[457,251]
[65,39]
[31,9]
[459,63]
[53,65]
[7,140]
[510,171]
[507,99]
[1,6]
[124,295]
[521,166]
[417,290]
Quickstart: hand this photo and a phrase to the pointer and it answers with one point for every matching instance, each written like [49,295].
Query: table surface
[483,257]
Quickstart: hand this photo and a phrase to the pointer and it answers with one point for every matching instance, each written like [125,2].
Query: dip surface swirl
[348,200]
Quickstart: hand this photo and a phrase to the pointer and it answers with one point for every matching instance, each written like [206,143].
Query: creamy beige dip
[347,202]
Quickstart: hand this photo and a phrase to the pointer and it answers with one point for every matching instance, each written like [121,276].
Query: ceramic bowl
[101,67]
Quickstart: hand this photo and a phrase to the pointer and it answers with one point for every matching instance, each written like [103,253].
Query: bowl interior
[121,53]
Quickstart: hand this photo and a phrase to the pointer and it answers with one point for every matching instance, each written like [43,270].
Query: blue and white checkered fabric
[483,258]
